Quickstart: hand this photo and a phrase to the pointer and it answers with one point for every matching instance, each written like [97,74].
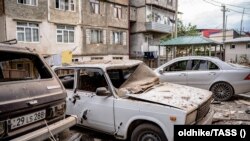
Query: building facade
[90,29]
[238,50]
[150,20]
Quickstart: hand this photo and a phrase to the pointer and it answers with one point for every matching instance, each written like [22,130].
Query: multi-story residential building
[105,29]
[150,20]
[91,29]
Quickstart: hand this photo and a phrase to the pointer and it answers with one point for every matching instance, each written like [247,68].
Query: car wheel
[148,132]
[222,91]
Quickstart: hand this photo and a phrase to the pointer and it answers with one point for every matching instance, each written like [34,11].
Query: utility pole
[242,20]
[224,24]
[176,19]
[224,10]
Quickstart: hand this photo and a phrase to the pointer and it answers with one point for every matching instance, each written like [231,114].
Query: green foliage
[183,30]
[186,30]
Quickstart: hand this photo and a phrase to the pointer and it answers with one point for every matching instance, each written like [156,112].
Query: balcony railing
[157,27]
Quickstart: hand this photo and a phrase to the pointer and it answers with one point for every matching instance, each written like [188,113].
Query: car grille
[203,110]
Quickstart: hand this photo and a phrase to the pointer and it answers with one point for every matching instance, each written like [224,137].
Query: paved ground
[232,112]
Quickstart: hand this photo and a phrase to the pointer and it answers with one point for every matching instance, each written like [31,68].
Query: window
[21,67]
[95,6]
[67,77]
[118,38]
[118,11]
[117,58]
[178,66]
[27,32]
[68,5]
[119,76]
[88,78]
[203,65]
[28,2]
[65,34]
[170,2]
[96,58]
[248,45]
[232,46]
[75,60]
[96,36]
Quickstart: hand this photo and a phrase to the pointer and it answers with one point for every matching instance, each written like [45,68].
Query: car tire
[146,132]
[222,91]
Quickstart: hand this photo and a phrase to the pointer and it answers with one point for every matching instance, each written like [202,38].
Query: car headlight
[2,128]
[190,119]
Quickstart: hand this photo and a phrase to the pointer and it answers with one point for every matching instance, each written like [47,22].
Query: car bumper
[207,119]
[45,133]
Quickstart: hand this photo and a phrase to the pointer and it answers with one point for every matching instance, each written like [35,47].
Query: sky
[209,16]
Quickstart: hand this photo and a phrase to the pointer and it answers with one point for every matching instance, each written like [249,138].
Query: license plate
[27,119]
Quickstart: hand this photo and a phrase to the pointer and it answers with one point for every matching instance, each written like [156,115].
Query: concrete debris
[248,111]
[216,102]
[244,102]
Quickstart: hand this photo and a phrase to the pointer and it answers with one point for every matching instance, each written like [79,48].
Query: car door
[175,73]
[93,111]
[203,73]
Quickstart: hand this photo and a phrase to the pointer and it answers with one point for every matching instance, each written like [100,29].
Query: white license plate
[27,119]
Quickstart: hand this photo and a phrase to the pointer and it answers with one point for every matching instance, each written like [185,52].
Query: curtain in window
[20,34]
[119,13]
[28,34]
[62,4]
[33,2]
[115,12]
[94,36]
[66,36]
[35,35]
[97,8]
[71,36]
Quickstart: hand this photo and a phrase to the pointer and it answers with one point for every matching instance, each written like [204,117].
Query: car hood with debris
[179,96]
[144,85]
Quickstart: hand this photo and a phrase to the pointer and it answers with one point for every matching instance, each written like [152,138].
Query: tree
[183,30]
[186,30]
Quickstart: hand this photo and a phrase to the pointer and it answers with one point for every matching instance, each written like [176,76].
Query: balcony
[157,27]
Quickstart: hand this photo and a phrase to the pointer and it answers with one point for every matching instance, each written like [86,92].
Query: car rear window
[21,66]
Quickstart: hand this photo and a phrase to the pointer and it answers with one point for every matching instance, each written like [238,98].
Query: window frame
[170,2]
[70,3]
[232,46]
[91,68]
[65,29]
[208,65]
[117,11]
[99,36]
[248,45]
[120,37]
[50,77]
[93,9]
[31,31]
[167,67]
[29,4]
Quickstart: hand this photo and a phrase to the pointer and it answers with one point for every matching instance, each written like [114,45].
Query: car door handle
[212,73]
[183,74]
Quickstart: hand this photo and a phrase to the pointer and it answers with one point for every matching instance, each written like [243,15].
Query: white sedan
[223,79]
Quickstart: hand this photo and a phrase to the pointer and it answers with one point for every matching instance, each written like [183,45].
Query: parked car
[32,98]
[125,99]
[210,73]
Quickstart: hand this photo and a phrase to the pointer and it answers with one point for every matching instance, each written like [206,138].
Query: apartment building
[149,21]
[91,29]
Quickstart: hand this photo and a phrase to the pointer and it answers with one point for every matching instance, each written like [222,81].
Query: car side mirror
[161,71]
[102,91]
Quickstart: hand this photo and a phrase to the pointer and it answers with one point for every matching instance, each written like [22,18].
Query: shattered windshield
[134,80]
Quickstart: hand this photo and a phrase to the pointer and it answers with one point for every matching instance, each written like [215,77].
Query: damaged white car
[126,99]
